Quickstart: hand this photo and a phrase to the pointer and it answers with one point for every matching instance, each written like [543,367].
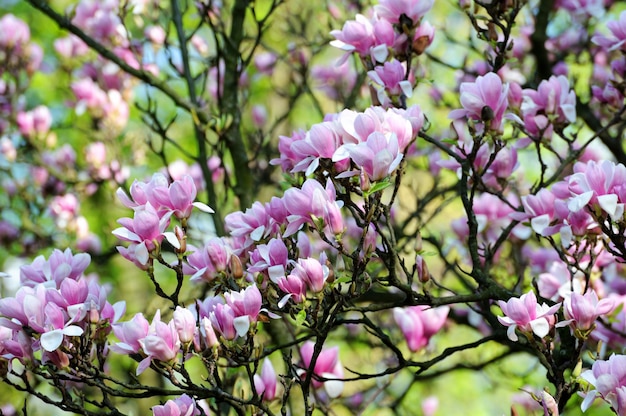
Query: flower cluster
[56,305]
[385,43]
[375,141]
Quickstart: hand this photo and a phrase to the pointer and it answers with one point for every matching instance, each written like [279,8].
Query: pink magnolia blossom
[179,197]
[617,38]
[484,101]
[583,310]
[185,324]
[60,265]
[539,209]
[16,33]
[162,343]
[294,287]
[288,158]
[392,10]
[327,365]
[609,379]
[320,142]
[552,103]
[146,230]
[270,258]
[253,225]
[524,313]
[35,123]
[130,333]
[222,318]
[558,283]
[356,36]
[246,306]
[391,82]
[207,263]
[313,204]
[378,157]
[265,384]
[312,272]
[182,406]
[598,185]
[420,323]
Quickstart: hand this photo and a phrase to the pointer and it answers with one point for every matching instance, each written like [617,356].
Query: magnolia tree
[325,232]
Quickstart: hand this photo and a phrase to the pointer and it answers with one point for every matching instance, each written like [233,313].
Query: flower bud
[422,269]
[182,239]
[235,267]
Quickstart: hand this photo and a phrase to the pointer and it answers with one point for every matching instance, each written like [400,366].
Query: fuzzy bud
[235,267]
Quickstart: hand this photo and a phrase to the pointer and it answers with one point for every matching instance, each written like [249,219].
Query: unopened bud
[364,181]
[418,243]
[422,269]
[420,44]
[331,272]
[182,239]
[94,316]
[235,266]
[491,31]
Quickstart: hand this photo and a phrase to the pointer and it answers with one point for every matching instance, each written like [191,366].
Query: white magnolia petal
[333,388]
[141,253]
[242,324]
[540,223]
[608,203]
[257,234]
[73,331]
[51,340]
[580,201]
[203,207]
[540,327]
[172,239]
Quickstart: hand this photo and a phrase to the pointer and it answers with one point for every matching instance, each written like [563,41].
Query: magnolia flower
[265,383]
[420,323]
[327,365]
[524,313]
[484,101]
[609,379]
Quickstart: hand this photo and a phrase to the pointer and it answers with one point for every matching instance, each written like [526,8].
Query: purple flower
[617,38]
[391,82]
[16,33]
[327,365]
[392,10]
[162,343]
[609,379]
[356,36]
[185,324]
[270,258]
[182,406]
[552,103]
[484,101]
[265,384]
[246,305]
[207,263]
[379,156]
[130,333]
[146,230]
[539,209]
[313,204]
[60,265]
[583,310]
[524,313]
[598,185]
[312,272]
[420,323]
